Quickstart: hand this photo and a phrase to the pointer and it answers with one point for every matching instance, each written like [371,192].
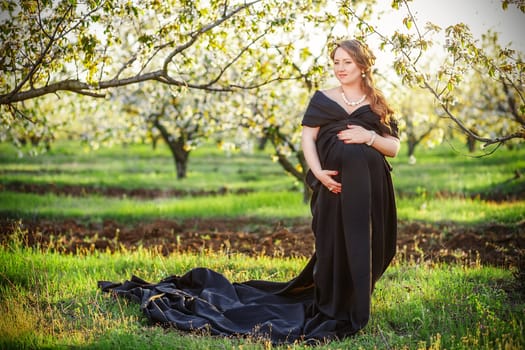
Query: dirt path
[492,244]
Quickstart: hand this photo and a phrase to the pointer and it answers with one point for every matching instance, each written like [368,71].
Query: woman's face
[345,69]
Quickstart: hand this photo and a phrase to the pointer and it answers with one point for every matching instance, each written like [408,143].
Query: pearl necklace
[352,103]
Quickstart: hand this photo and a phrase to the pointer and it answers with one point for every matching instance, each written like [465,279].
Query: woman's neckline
[342,107]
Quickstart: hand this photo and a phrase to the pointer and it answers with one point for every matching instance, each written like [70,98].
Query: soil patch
[490,244]
[138,193]
[495,195]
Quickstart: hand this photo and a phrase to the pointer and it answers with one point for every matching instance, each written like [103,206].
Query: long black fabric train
[355,237]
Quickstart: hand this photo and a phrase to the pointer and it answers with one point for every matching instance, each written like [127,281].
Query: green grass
[461,211]
[140,166]
[265,205]
[96,208]
[445,169]
[51,300]
[275,194]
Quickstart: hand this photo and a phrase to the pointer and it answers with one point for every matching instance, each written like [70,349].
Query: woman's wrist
[373,136]
[317,172]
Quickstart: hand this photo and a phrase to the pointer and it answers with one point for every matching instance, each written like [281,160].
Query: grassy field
[140,166]
[51,300]
[443,186]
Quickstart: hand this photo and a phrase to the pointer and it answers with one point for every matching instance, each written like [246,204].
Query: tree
[418,116]
[276,116]
[90,47]
[180,119]
[491,104]
[183,121]
[462,53]
[94,47]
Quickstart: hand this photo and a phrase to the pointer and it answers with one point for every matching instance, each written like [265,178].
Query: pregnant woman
[347,132]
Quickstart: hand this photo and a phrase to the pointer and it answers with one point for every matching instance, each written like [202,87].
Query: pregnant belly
[346,156]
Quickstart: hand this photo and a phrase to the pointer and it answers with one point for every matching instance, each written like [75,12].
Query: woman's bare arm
[388,145]
[309,136]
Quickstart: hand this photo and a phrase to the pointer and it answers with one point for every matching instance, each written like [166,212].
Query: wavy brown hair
[364,58]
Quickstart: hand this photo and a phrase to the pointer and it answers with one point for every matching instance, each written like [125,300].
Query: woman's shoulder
[330,92]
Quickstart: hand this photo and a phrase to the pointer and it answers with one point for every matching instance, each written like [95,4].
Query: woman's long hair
[365,59]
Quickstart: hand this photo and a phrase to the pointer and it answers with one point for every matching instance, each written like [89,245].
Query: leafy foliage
[414,46]
[89,47]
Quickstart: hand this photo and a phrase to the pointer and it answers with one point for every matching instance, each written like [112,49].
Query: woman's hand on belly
[326,178]
[386,144]
[355,134]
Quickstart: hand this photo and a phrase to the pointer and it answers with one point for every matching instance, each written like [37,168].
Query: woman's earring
[363,74]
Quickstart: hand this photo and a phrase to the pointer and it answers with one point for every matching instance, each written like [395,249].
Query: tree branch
[195,35]
[161,75]
[487,141]
[512,104]
[236,58]
[41,57]
[285,163]
[417,31]
[426,85]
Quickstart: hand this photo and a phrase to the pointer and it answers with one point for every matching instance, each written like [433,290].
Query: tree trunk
[471,143]
[262,143]
[155,141]
[411,147]
[307,193]
[181,167]
[180,155]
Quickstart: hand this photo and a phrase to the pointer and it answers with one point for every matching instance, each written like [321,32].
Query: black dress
[355,237]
